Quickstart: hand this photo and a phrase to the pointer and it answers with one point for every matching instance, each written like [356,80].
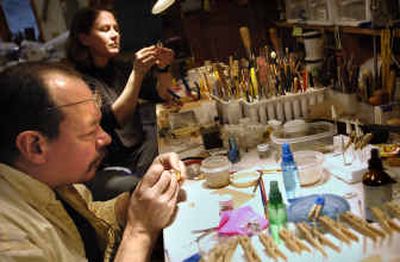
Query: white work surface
[201,211]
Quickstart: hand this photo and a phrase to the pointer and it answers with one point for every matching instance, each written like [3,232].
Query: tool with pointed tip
[246,40]
[276,43]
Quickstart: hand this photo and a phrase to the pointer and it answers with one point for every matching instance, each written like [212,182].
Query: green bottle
[277,211]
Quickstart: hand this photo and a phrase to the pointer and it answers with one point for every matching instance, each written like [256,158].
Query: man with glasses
[50,140]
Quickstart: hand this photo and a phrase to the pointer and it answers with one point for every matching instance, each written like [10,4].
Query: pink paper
[241,221]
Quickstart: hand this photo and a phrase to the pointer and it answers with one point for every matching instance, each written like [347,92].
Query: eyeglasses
[96,98]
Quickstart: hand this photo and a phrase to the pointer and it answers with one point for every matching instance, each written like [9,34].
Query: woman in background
[94,44]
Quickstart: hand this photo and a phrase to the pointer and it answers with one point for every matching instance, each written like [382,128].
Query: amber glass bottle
[377,185]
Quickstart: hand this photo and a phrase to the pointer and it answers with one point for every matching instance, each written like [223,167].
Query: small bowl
[193,167]
[244,179]
[310,166]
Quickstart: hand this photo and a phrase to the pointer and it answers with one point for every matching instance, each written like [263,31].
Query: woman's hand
[165,57]
[145,58]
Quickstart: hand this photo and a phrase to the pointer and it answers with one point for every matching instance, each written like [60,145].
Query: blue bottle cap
[194,258]
[320,201]
[287,155]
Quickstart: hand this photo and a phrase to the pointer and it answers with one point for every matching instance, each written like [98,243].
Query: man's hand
[153,202]
[151,207]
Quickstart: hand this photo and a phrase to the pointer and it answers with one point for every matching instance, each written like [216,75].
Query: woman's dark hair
[82,23]
[24,105]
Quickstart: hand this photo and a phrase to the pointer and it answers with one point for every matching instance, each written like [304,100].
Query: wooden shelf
[331,28]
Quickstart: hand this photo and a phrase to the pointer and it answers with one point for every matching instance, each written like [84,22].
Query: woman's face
[103,40]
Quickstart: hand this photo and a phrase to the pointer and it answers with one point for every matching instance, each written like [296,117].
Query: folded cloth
[241,221]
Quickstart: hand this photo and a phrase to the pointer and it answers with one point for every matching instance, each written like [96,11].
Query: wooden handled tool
[246,40]
[384,220]
[362,226]
[292,242]
[230,250]
[223,252]
[325,241]
[308,236]
[334,229]
[248,249]
[275,40]
[271,248]
[394,209]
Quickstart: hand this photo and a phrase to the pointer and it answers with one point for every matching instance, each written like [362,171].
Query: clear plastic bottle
[277,211]
[290,172]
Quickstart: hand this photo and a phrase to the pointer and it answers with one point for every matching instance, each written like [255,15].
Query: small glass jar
[263,150]
[216,171]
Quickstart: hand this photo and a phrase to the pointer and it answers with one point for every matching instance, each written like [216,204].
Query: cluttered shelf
[341,28]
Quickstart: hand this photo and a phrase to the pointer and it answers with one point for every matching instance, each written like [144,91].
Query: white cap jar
[216,171]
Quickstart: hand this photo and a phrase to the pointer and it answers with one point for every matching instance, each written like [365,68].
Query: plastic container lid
[293,126]
[215,164]
[314,131]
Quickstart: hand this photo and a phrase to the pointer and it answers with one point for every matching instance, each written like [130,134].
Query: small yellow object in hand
[177,174]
